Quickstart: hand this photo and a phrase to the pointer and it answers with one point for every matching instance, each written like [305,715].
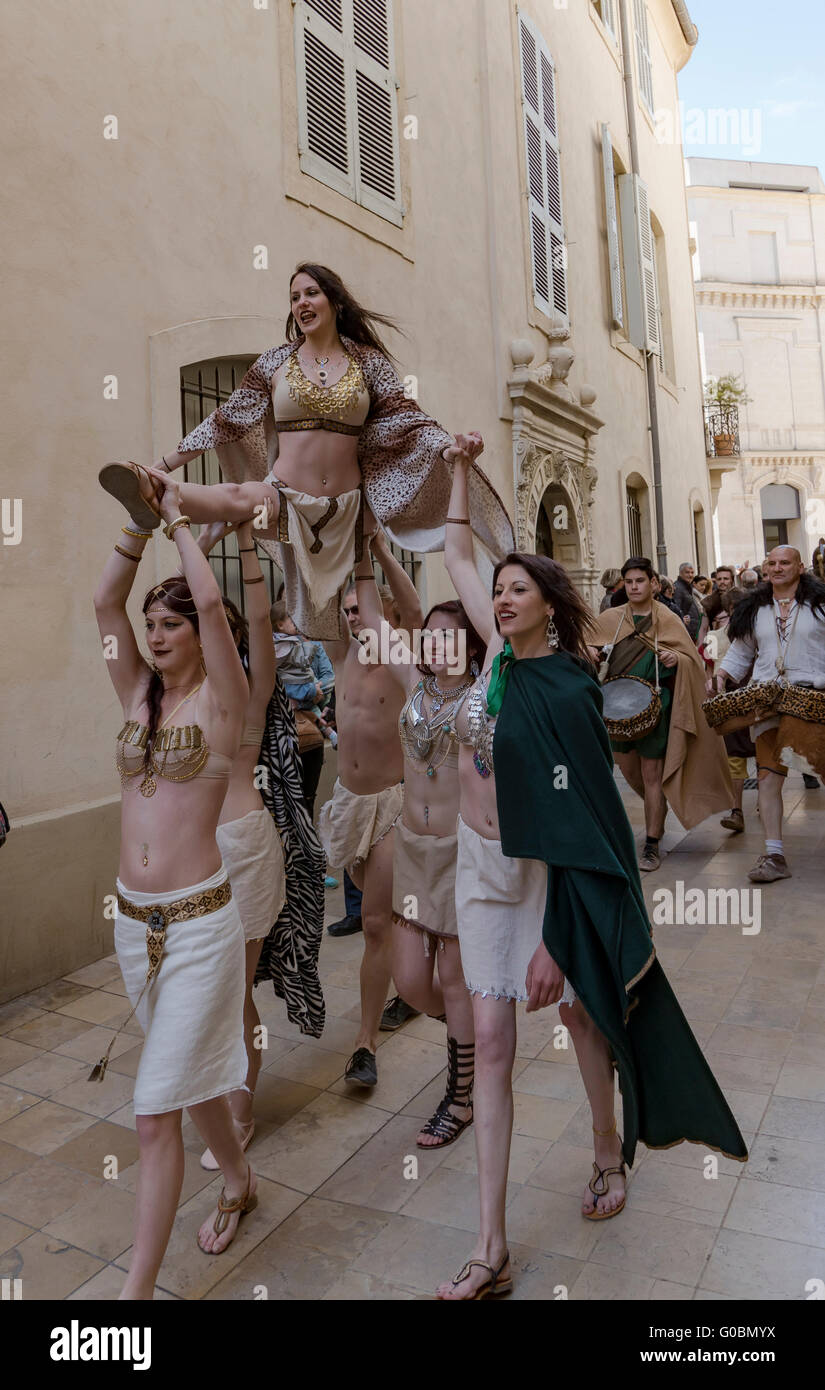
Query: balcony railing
[722,431]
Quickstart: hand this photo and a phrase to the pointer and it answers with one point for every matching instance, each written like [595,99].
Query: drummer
[778,630]
[678,761]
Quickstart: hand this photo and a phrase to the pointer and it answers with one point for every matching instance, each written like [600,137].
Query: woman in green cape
[549,901]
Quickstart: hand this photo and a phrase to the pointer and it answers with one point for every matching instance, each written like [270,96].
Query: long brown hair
[570,614]
[352,320]
[475,646]
[175,595]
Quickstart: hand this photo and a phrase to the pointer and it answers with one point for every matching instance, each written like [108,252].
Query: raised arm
[261,646]
[127,669]
[403,590]
[458,551]
[371,613]
[226,678]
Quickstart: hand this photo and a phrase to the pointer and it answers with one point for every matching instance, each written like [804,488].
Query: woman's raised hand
[168,495]
[467,447]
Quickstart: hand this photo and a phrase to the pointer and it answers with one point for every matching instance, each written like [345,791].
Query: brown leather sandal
[599,1184]
[494,1287]
[242,1205]
[122,481]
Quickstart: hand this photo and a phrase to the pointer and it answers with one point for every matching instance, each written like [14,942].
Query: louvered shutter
[376,106]
[538,95]
[644,67]
[348,122]
[614,257]
[647,243]
[639,264]
[607,12]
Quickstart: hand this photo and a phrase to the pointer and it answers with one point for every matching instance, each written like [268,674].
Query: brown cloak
[696,780]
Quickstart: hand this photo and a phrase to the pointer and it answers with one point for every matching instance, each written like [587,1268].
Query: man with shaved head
[777,632]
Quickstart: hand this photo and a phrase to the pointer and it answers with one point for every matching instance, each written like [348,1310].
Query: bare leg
[160,1176]
[375,877]
[770,802]
[593,1054]
[214,1121]
[738,789]
[232,502]
[240,1102]
[629,765]
[413,971]
[495,1034]
[458,1006]
[655,804]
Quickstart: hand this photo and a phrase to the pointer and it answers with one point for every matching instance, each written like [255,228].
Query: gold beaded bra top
[301,404]
[178,754]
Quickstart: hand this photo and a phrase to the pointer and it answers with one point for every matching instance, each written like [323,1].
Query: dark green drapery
[550,731]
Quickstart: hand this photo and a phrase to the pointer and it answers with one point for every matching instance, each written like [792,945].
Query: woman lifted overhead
[329,406]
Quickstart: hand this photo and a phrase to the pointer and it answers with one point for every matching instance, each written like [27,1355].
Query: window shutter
[538,92]
[616,307]
[639,264]
[647,242]
[643,63]
[607,14]
[376,107]
[348,122]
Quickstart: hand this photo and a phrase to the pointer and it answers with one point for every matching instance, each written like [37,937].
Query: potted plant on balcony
[724,395]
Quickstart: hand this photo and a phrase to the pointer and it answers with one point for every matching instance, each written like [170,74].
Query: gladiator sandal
[444,1125]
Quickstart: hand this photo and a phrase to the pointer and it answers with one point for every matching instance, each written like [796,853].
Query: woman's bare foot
[476,1276]
[212,1243]
[608,1153]
[424,1140]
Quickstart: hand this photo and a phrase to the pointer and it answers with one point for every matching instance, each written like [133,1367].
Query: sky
[765,62]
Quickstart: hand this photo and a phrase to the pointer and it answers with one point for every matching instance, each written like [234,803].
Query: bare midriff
[242,795]
[430,803]
[174,830]
[319,462]
[478,797]
[367,705]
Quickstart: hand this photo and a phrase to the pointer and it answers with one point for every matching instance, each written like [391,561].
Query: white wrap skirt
[254,859]
[192,1012]
[500,909]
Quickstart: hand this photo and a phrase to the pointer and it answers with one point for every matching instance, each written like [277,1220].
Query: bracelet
[246,550]
[139,535]
[165,464]
[364,577]
[172,527]
[259,579]
[458,520]
[127,554]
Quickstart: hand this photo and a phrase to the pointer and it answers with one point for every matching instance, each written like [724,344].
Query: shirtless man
[356,826]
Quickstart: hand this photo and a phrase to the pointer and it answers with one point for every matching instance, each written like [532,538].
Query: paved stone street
[338,1219]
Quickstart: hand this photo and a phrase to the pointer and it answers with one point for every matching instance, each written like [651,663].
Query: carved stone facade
[553,470]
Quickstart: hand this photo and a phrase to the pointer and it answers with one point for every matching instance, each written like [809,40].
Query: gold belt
[158,917]
[337,426]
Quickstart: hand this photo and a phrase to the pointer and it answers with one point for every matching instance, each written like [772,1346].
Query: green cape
[596,927]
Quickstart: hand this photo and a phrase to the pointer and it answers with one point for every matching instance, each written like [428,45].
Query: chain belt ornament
[158,916]
[313,423]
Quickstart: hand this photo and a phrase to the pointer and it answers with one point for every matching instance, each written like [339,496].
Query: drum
[738,709]
[631,707]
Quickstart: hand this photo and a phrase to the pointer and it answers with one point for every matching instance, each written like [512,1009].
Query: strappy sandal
[208,1159]
[493,1288]
[242,1205]
[599,1184]
[122,481]
[444,1125]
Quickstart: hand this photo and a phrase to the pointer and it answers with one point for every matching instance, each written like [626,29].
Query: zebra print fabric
[289,957]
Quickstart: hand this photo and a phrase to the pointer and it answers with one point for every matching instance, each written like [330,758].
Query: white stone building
[760,300]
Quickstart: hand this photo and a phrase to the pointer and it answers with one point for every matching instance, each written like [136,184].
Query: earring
[551,634]
[474,669]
